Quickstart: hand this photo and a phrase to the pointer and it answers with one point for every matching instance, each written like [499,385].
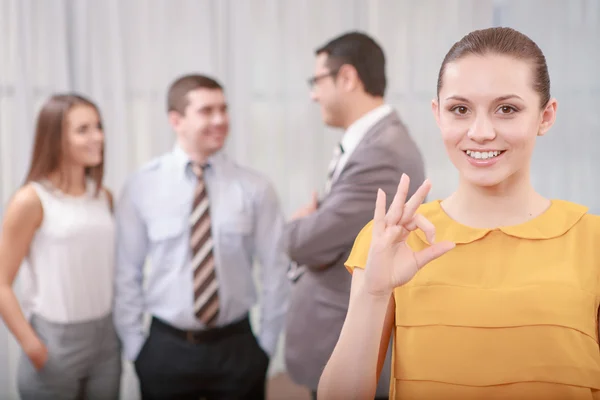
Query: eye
[459,110]
[507,110]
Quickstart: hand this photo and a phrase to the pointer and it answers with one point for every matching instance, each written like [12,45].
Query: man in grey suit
[375,150]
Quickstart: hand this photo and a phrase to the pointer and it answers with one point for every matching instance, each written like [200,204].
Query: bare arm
[23,217]
[388,330]
[353,370]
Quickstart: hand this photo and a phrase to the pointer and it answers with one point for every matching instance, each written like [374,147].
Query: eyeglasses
[313,80]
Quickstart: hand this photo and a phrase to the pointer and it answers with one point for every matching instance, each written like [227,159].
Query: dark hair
[49,142]
[177,99]
[502,41]
[364,54]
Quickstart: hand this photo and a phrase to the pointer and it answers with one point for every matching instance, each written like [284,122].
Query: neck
[196,157]
[359,108]
[510,203]
[69,179]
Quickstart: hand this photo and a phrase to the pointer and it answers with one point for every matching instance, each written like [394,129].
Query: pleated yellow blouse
[510,313]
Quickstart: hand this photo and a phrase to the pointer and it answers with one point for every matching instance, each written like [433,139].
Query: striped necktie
[206,293]
[338,151]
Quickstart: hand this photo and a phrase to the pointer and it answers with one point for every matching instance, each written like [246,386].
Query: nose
[313,94]
[99,135]
[219,118]
[482,130]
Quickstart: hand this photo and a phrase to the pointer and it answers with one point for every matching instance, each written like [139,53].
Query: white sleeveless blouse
[68,275]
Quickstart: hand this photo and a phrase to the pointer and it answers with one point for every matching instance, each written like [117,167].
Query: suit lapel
[386,121]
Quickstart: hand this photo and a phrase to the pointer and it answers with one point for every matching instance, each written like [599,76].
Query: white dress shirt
[356,132]
[152,223]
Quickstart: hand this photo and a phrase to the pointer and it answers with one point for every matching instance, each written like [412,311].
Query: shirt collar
[183,161]
[558,219]
[355,132]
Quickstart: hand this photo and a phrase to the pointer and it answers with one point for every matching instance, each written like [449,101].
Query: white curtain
[124,54]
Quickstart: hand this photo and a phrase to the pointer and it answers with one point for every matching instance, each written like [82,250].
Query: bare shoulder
[24,209]
[109,197]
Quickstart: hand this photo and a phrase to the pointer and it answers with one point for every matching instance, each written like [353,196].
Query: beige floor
[280,387]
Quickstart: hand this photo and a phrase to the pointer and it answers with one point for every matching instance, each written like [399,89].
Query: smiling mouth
[483,155]
[217,133]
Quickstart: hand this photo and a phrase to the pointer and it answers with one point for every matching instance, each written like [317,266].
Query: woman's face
[85,137]
[489,116]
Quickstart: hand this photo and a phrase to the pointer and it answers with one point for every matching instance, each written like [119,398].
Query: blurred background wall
[124,53]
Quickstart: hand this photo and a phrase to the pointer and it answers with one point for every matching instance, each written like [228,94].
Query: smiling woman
[69,143]
[492,292]
[485,121]
[60,226]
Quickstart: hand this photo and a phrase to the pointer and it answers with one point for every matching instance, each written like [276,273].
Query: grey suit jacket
[323,240]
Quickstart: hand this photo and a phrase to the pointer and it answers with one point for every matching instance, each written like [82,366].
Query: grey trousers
[84,362]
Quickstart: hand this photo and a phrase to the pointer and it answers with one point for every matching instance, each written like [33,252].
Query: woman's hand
[37,352]
[391,262]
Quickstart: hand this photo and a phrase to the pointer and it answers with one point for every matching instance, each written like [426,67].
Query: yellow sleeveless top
[509,313]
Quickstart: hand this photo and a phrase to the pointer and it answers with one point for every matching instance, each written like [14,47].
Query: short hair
[177,99]
[364,54]
[502,41]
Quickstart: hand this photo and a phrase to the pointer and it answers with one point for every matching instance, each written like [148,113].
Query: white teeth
[483,155]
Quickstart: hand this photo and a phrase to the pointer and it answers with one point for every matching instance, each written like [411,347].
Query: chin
[485,180]
[215,149]
[217,145]
[329,120]
[91,163]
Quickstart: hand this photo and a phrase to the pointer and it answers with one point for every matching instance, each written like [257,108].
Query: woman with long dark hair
[59,225]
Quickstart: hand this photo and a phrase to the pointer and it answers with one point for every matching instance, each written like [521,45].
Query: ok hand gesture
[391,262]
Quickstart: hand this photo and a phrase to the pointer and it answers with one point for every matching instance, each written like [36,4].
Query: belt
[203,336]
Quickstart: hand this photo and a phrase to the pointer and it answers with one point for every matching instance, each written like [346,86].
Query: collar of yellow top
[555,221]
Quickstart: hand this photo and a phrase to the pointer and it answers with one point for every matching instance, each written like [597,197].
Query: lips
[95,150]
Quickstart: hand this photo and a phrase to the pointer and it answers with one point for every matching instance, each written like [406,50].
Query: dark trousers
[219,364]
[314,397]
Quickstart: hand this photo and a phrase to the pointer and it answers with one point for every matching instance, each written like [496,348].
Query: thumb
[434,251]
[315,197]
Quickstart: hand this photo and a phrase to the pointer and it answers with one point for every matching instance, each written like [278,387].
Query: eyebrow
[208,107]
[497,99]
